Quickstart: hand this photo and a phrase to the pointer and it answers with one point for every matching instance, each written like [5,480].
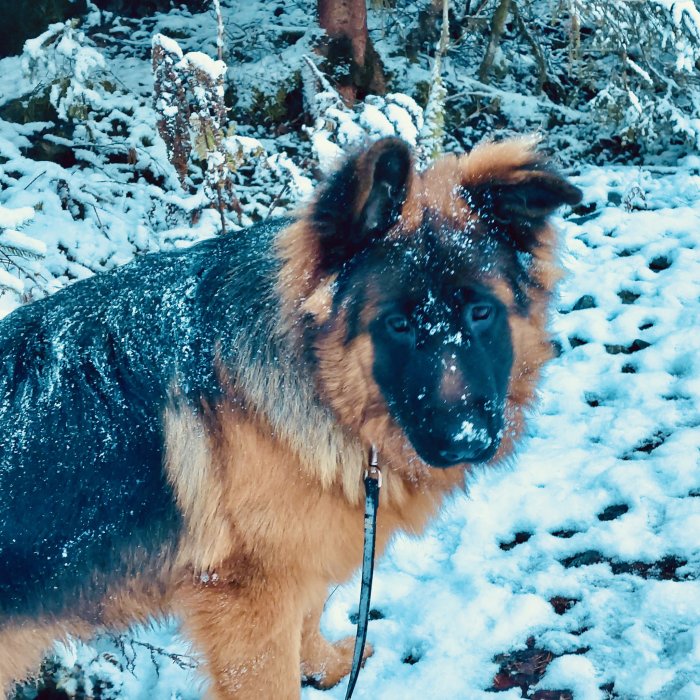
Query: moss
[276,107]
[78,111]
[270,107]
[421,92]
[24,110]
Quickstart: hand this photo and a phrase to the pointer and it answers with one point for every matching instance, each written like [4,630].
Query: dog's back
[84,380]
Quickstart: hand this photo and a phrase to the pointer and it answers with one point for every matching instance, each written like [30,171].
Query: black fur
[84,380]
[520,209]
[343,231]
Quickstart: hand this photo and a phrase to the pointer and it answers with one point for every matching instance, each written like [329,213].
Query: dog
[188,433]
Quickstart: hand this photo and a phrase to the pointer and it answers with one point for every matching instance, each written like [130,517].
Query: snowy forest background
[572,574]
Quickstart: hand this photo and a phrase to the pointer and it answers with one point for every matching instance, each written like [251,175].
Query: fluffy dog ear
[533,199]
[512,184]
[361,201]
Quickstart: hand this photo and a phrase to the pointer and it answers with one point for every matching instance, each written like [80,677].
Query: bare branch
[536,50]
[498,24]
[219,30]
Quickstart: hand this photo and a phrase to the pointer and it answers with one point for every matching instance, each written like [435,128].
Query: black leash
[373,482]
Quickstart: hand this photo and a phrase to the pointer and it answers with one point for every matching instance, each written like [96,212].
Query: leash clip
[374,472]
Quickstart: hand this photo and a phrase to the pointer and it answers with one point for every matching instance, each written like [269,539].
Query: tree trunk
[354,64]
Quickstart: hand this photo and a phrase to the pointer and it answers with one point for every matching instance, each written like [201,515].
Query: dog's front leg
[324,664]
[249,637]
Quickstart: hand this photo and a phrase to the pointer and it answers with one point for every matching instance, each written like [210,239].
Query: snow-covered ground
[576,567]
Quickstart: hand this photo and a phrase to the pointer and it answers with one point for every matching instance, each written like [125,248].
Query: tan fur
[323,663]
[25,642]
[272,498]
[280,565]
[498,162]
[436,189]
[192,473]
[300,278]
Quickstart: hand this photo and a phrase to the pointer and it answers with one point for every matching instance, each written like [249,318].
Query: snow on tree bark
[430,140]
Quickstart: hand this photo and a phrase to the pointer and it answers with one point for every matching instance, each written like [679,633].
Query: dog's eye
[481,312]
[398,324]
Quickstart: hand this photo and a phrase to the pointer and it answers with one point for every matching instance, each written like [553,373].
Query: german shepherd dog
[188,433]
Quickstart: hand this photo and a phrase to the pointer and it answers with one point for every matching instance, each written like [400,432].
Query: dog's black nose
[468,455]
[449,456]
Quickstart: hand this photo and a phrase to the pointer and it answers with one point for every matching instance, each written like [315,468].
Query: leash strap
[373,482]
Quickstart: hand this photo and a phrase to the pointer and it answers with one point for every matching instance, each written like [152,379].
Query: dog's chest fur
[226,467]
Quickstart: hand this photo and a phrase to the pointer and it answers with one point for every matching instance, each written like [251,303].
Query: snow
[10,282]
[200,61]
[9,218]
[468,432]
[170,45]
[162,658]
[15,239]
[327,153]
[33,47]
[338,128]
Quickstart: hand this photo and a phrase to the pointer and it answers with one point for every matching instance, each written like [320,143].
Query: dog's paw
[330,668]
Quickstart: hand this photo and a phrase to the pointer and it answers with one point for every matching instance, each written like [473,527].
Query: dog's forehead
[441,229]
[429,267]
[443,247]
[439,189]
[441,242]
